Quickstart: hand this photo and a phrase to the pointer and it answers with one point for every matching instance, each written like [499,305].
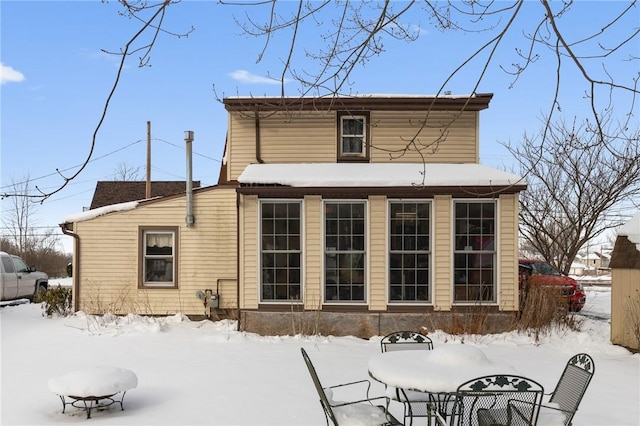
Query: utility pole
[148,185]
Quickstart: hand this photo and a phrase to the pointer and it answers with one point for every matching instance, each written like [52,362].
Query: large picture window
[409,251]
[475,255]
[280,251]
[158,257]
[344,258]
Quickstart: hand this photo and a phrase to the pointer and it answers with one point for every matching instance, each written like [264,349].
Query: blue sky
[55,80]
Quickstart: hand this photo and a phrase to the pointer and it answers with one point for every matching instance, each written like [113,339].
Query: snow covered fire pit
[94,387]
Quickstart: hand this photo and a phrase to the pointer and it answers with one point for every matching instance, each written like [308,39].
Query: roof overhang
[379,178]
[475,102]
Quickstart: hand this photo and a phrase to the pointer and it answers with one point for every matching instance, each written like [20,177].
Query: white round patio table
[93,387]
[439,370]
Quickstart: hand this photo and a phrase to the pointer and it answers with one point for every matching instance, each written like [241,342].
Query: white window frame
[362,136]
[327,251]
[428,252]
[172,258]
[261,251]
[474,249]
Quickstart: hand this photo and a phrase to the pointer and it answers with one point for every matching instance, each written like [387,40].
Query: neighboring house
[591,260]
[356,215]
[577,268]
[625,286]
[119,191]
[605,258]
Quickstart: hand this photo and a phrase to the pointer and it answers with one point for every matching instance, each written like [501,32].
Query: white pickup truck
[19,281]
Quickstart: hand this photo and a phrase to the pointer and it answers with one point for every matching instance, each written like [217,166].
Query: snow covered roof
[631,230]
[90,214]
[376,175]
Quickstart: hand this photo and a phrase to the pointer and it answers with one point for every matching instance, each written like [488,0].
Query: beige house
[625,286]
[356,215]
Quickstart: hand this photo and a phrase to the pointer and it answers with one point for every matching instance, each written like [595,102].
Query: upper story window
[353,139]
[158,257]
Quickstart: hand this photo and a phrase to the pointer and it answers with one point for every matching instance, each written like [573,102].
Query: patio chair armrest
[440,420]
[520,410]
[345,403]
[358,382]
[552,414]
[364,383]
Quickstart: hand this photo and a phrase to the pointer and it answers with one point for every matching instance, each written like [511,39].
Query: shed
[625,286]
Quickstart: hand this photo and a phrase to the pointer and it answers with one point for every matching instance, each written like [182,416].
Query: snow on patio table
[442,369]
[94,381]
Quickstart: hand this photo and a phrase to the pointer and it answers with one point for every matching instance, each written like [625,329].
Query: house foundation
[368,324]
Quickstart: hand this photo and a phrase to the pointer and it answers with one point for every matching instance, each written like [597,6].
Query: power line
[71,167]
[104,156]
[182,147]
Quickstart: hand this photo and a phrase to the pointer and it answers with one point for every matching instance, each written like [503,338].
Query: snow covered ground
[206,373]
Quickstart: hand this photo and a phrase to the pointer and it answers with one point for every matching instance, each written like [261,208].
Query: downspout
[238,261]
[75,270]
[258,145]
[188,139]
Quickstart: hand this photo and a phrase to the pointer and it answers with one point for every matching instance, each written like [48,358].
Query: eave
[475,102]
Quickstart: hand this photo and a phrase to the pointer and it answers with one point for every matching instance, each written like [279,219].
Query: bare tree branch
[574,182]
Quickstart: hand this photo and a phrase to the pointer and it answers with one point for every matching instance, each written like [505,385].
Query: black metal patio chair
[496,400]
[405,340]
[416,404]
[362,411]
[572,386]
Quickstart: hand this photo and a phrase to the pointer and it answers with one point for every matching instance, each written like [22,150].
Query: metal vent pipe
[188,138]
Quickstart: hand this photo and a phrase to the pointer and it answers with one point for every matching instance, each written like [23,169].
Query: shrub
[56,300]
[545,309]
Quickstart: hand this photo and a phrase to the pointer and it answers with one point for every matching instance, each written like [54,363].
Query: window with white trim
[474,251]
[158,257]
[344,251]
[280,250]
[352,136]
[409,251]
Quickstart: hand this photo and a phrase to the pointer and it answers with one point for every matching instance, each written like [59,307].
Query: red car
[539,272]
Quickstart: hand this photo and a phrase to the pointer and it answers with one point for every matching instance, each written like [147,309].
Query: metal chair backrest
[405,340]
[497,400]
[324,401]
[573,384]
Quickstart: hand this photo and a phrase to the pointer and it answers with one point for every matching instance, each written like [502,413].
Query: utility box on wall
[210,300]
[214,300]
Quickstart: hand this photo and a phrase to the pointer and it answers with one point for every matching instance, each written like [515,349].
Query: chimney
[188,138]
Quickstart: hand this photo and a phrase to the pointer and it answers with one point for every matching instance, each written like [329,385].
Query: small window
[20,266]
[352,136]
[158,257]
[8,264]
